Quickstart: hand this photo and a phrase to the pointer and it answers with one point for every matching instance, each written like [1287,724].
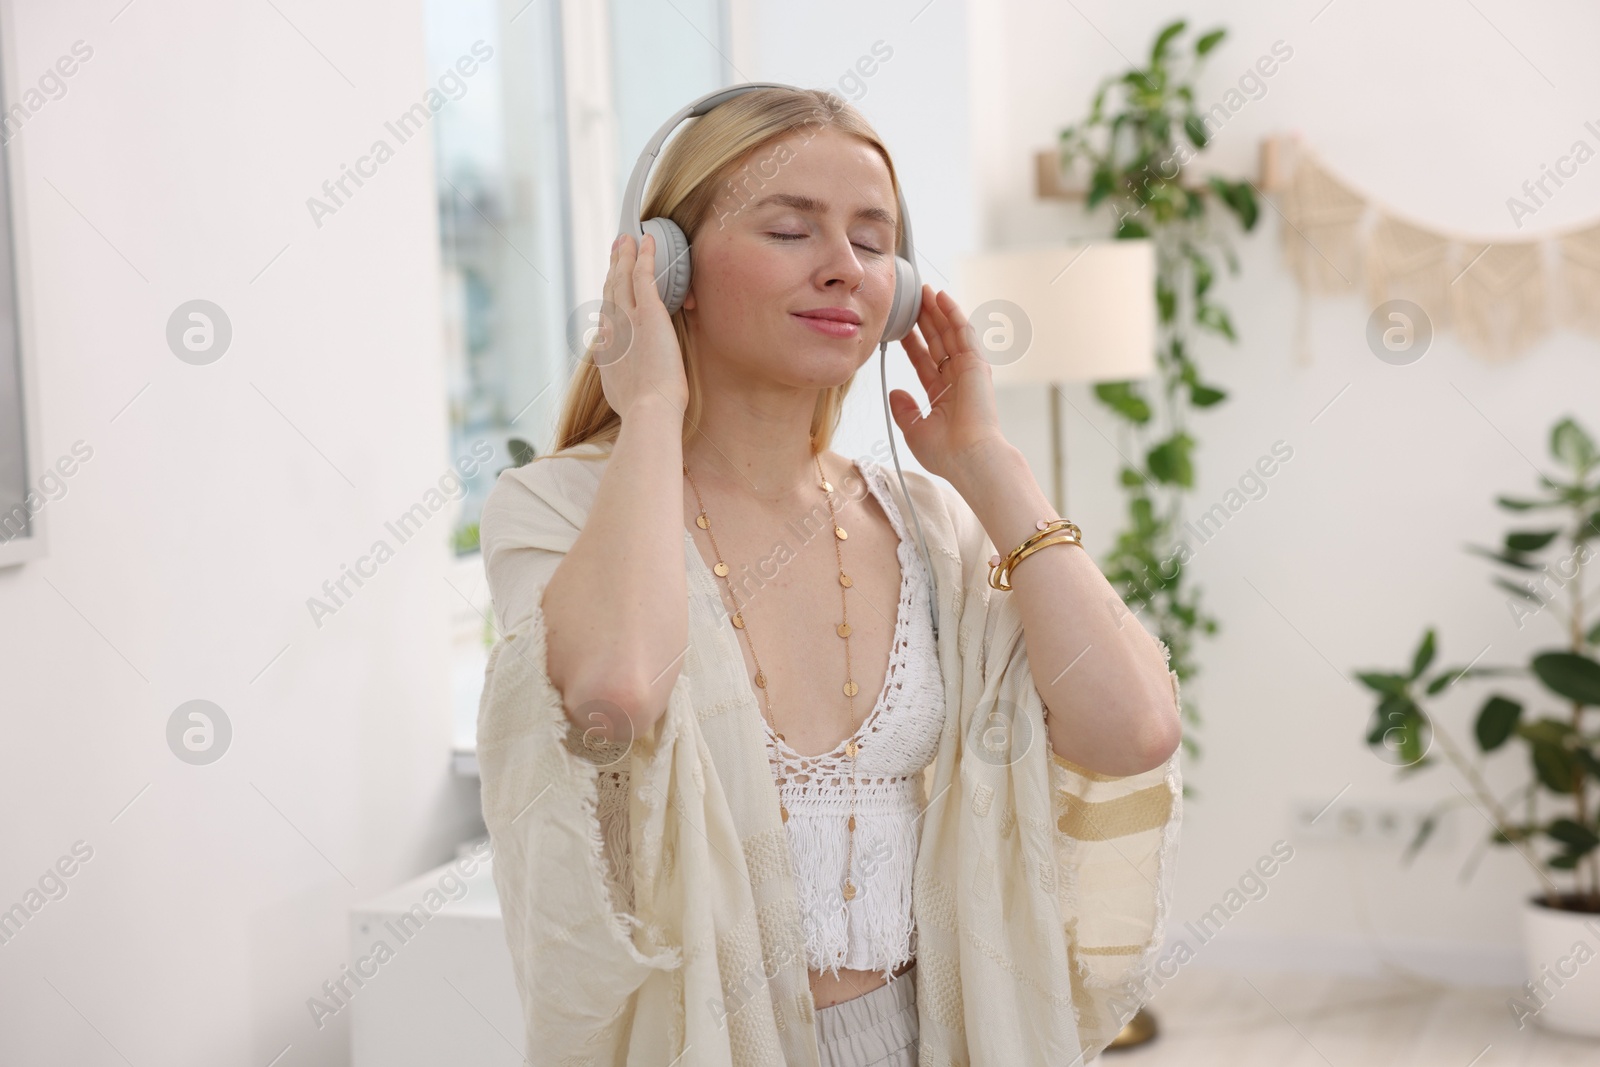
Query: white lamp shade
[1064,313]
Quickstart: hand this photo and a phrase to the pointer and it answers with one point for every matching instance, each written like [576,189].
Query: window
[27,482]
[532,152]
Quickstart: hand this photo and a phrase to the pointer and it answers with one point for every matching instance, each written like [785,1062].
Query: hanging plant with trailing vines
[1141,130]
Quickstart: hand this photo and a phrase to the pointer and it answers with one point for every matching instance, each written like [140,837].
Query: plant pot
[1562,948]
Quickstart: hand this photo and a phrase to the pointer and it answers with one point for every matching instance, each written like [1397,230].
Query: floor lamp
[1053,314]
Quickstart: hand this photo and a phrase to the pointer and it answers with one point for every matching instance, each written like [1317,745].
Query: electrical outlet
[1376,823]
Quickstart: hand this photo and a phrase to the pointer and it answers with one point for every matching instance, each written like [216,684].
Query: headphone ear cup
[907,301]
[672,261]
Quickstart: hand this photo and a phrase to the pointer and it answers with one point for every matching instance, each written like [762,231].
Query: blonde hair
[688,176]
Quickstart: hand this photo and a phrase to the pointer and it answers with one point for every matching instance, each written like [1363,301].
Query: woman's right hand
[636,349]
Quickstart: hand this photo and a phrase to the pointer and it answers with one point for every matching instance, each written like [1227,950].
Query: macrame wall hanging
[1499,297]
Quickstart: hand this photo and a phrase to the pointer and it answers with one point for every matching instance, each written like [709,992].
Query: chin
[830,365]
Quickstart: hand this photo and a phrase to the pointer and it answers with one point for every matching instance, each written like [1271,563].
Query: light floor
[1250,1019]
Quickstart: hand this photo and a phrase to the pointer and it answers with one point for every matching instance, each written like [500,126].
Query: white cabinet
[430,978]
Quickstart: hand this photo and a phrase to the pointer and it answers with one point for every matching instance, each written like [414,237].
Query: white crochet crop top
[895,743]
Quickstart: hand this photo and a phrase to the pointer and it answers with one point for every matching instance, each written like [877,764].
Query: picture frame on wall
[25,484]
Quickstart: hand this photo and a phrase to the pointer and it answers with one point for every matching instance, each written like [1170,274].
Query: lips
[832,315]
[845,328]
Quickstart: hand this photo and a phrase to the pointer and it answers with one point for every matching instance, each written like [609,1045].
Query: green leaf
[1124,398]
[1128,229]
[1423,655]
[1180,357]
[1513,504]
[1590,528]
[1423,833]
[1097,109]
[1101,183]
[1564,861]
[1203,275]
[1455,674]
[1579,837]
[1213,317]
[1239,197]
[1518,590]
[1546,731]
[1203,396]
[1196,129]
[521,451]
[1517,833]
[1496,722]
[1205,44]
[1529,541]
[1510,561]
[1387,684]
[1593,636]
[1401,727]
[1569,674]
[1554,768]
[1143,513]
[1571,445]
[1170,461]
[1131,477]
[1164,38]
[1193,208]
[1166,300]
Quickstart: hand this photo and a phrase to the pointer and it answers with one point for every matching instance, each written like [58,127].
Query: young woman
[719,821]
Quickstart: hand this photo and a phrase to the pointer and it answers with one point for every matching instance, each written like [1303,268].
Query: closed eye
[797,236]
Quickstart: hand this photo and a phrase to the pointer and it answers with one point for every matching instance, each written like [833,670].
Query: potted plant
[1561,927]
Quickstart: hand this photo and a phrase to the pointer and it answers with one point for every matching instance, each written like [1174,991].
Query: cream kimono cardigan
[1041,888]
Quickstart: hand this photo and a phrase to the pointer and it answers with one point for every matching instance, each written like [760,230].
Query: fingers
[962,337]
[608,293]
[627,260]
[933,323]
[642,278]
[949,333]
[921,361]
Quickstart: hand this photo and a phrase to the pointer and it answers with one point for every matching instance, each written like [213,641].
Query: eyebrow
[817,207]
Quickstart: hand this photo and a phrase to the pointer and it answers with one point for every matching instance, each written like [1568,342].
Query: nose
[843,267]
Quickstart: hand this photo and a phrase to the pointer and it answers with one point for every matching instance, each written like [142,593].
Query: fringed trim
[576,775]
[873,931]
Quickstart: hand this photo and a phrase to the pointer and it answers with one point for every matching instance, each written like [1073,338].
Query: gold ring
[942,362]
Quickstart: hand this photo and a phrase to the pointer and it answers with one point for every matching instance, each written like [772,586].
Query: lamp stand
[1058,465]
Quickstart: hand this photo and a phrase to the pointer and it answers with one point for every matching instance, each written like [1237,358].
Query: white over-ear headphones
[672,247]
[672,274]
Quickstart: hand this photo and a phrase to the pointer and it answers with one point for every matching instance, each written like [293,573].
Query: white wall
[218,499]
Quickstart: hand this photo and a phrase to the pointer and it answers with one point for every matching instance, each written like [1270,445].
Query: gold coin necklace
[843,630]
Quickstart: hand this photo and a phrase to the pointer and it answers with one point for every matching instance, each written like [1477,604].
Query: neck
[757,452]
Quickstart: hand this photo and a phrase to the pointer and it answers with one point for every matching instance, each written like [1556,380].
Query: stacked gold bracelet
[1050,533]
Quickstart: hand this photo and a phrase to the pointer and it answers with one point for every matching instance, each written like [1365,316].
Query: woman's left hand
[961,417]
